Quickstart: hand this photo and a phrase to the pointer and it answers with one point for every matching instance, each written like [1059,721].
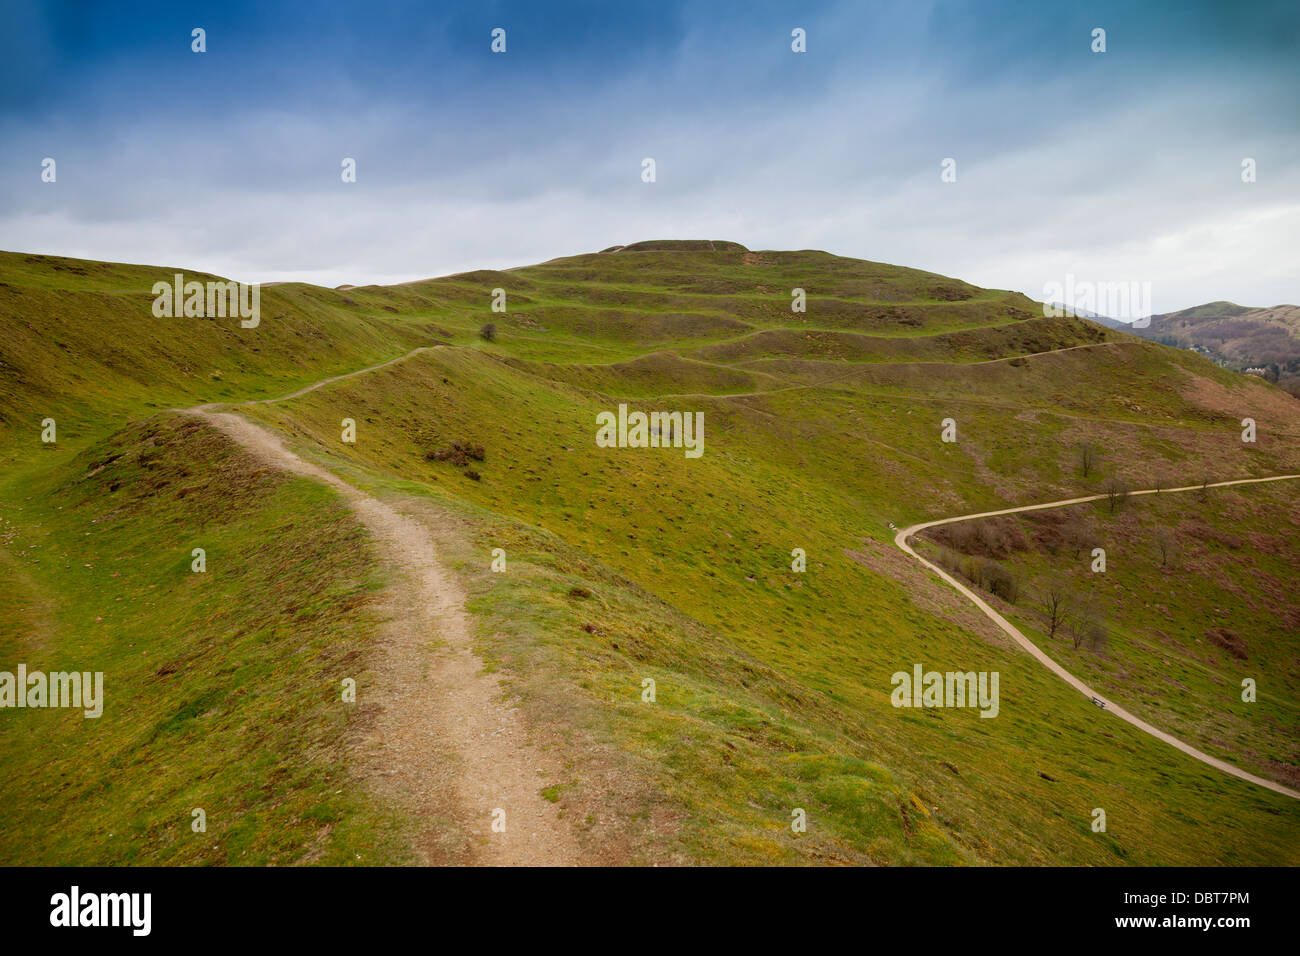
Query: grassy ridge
[82,345]
[222,687]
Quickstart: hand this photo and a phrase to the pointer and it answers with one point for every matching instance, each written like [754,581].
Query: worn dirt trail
[444,745]
[901,539]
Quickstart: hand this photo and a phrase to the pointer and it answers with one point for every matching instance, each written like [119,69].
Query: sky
[1097,167]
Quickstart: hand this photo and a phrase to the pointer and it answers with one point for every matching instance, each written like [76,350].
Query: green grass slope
[625,564]
[1197,595]
[222,688]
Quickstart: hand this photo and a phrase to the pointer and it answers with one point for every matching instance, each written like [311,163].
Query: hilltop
[690,685]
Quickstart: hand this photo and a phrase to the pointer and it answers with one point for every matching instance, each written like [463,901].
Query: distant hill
[1238,337]
[1092,316]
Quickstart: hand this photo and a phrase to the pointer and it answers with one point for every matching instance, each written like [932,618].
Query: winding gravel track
[901,540]
[445,742]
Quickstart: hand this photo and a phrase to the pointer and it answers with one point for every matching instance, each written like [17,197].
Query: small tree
[1055,601]
[488,333]
[998,581]
[1167,545]
[1088,455]
[1080,535]
[1116,493]
[1086,625]
[1097,636]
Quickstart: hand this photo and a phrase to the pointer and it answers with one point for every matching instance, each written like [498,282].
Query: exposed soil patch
[1228,640]
[437,725]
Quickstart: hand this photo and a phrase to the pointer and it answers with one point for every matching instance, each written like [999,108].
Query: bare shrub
[458,452]
[1080,534]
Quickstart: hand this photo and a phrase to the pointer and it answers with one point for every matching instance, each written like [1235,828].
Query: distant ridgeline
[1263,342]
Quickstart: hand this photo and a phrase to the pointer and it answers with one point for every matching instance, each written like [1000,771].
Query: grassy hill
[822,428]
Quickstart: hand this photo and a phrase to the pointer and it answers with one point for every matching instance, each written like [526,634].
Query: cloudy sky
[1115,166]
